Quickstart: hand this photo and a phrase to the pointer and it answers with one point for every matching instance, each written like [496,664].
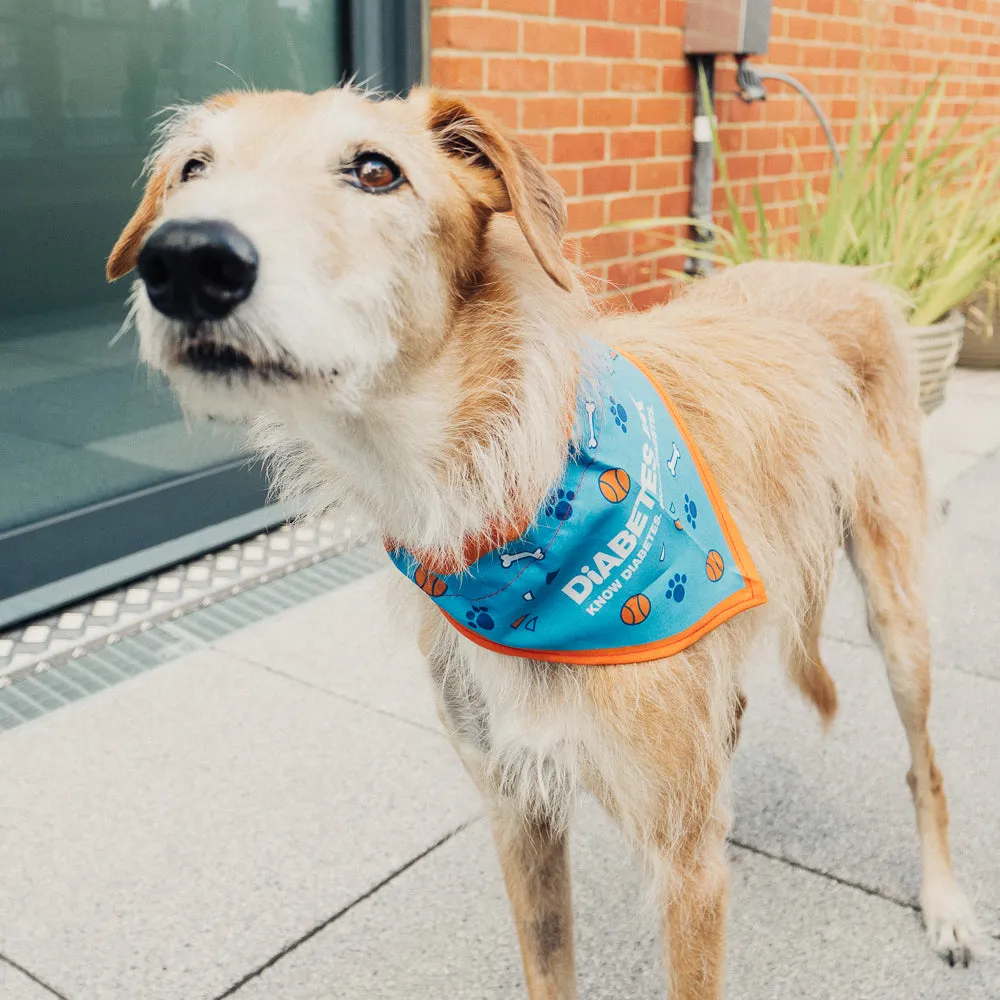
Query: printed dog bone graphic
[591,408]
[507,558]
[672,464]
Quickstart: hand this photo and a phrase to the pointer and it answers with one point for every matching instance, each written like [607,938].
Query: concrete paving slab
[345,642]
[967,422]
[964,609]
[443,929]
[14,985]
[164,838]
[974,500]
[962,581]
[974,382]
[840,804]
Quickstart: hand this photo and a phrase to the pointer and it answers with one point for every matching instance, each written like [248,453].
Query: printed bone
[591,407]
[672,464]
[506,558]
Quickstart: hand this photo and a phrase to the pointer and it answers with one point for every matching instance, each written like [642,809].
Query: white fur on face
[336,299]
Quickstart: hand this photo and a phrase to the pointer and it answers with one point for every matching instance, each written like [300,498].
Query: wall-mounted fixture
[737,26]
[713,27]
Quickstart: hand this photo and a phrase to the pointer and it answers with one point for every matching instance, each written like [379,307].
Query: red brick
[555,39]
[743,165]
[435,4]
[654,239]
[847,58]
[568,178]
[583,215]
[606,179]
[634,207]
[457,72]
[518,74]
[504,109]
[521,6]
[675,204]
[777,163]
[657,44]
[674,13]
[656,175]
[577,147]
[802,27]
[834,31]
[634,76]
[632,145]
[762,138]
[631,272]
[637,11]
[602,41]
[605,246]
[474,33]
[590,10]
[660,110]
[550,112]
[581,76]
[536,143]
[605,111]
[676,141]
[676,79]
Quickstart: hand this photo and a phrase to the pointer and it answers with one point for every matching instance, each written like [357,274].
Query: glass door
[96,462]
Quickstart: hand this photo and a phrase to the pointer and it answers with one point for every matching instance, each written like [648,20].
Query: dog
[380,288]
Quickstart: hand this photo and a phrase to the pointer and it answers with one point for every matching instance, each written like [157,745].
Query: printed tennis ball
[635,609]
[429,583]
[615,484]
[714,566]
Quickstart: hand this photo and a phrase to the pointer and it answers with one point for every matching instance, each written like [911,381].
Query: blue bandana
[632,557]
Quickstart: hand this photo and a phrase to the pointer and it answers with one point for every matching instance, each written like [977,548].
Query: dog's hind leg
[885,545]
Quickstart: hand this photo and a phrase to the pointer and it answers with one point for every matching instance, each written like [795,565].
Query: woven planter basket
[979,350]
[937,347]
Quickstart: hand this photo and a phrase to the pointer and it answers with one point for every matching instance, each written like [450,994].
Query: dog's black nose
[198,270]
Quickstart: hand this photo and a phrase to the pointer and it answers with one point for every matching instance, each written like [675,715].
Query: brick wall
[600,91]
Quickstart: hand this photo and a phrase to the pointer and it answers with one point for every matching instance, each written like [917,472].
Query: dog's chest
[520,724]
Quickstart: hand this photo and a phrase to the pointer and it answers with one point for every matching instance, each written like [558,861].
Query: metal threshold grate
[99,646]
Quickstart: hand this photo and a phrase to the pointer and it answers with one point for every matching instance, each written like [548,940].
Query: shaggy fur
[417,355]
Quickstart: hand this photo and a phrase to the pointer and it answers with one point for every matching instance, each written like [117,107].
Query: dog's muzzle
[198,271]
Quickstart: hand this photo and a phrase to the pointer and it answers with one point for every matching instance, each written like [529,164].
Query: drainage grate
[51,686]
[79,630]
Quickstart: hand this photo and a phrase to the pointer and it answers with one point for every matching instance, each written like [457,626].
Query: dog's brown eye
[374,173]
[193,168]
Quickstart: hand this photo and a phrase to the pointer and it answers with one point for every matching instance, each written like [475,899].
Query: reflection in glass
[81,82]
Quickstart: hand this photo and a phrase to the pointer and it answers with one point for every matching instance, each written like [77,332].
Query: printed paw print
[478,618]
[560,504]
[675,587]
[620,414]
[690,511]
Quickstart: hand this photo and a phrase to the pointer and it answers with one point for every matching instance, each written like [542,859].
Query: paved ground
[279,818]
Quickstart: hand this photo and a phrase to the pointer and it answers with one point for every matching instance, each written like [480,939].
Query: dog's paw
[951,925]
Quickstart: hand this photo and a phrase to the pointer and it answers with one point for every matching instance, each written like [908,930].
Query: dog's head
[289,242]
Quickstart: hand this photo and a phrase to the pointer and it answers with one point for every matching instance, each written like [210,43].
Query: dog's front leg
[535,862]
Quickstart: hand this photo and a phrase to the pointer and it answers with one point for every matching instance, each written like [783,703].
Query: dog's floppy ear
[125,252]
[511,179]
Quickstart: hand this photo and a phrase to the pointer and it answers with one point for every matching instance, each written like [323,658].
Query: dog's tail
[810,676]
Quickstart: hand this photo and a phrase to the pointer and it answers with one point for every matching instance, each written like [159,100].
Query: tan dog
[335,268]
